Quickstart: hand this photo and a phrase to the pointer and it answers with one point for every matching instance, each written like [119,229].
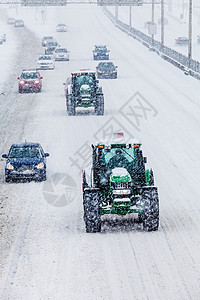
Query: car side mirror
[41,77]
[5,156]
[97,81]
[18,78]
[145,159]
[64,83]
[116,66]
[46,154]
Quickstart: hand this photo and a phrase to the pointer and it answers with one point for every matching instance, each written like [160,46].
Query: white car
[61,28]
[61,54]
[45,62]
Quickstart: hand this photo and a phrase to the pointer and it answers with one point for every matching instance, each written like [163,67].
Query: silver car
[45,62]
[61,54]
[61,28]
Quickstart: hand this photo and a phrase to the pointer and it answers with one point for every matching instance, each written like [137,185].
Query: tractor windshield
[113,158]
[84,79]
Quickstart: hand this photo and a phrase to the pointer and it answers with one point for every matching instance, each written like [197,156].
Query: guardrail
[177,59]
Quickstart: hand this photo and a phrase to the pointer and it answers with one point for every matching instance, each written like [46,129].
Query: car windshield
[106,66]
[101,48]
[84,79]
[62,50]
[52,44]
[45,58]
[25,152]
[29,75]
[48,38]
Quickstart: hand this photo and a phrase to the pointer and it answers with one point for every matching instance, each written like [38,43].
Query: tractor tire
[99,109]
[151,178]
[151,209]
[91,207]
[71,108]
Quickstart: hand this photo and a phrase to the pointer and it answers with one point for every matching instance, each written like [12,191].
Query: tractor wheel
[151,178]
[100,105]
[91,207]
[71,108]
[151,209]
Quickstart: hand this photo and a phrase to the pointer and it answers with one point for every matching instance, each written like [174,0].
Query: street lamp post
[162,23]
[190,34]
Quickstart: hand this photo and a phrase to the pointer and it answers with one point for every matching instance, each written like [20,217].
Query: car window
[60,50]
[29,75]
[45,58]
[25,152]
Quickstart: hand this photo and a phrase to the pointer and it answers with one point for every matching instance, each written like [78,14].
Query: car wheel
[7,179]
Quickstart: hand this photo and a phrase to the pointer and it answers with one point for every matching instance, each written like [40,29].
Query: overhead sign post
[120,2]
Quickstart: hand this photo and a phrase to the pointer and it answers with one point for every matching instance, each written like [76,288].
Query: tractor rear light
[101,146]
[136,145]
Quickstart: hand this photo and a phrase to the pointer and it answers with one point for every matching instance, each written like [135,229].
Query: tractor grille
[121,185]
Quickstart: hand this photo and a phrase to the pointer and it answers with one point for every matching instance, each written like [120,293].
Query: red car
[30,81]
[67,85]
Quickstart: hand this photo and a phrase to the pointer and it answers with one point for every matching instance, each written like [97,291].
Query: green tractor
[120,185]
[83,91]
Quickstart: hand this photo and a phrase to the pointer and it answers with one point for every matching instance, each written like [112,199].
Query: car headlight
[9,166]
[114,71]
[21,82]
[40,166]
[95,53]
[37,81]
[107,53]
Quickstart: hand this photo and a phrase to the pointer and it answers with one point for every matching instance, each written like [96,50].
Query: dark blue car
[25,161]
[101,52]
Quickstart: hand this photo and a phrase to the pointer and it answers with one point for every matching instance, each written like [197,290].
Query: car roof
[100,46]
[63,48]
[30,70]
[26,144]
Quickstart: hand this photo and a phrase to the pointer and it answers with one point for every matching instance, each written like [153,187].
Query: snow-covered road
[45,251]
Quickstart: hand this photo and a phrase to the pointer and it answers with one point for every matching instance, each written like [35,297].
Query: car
[46,39]
[1,40]
[10,21]
[30,80]
[3,36]
[101,53]
[19,23]
[50,50]
[83,91]
[25,161]
[61,28]
[67,83]
[51,44]
[45,62]
[120,185]
[106,70]
[182,41]
[61,54]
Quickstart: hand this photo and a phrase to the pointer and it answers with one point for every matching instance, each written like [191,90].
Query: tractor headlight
[37,81]
[9,166]
[21,82]
[40,166]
